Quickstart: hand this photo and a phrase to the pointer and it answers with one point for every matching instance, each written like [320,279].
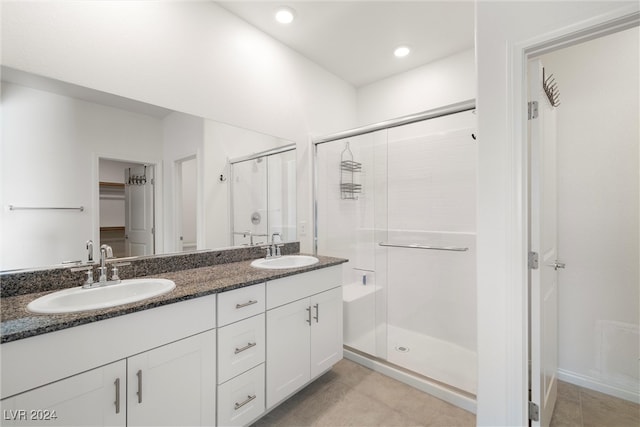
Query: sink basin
[79,299]
[287,261]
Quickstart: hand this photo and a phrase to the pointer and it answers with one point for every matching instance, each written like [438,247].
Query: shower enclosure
[407,226]
[263,197]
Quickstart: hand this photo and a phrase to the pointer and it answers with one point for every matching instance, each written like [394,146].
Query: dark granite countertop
[18,323]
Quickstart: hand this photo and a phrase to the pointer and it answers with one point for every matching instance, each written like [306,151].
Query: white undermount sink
[287,261]
[111,295]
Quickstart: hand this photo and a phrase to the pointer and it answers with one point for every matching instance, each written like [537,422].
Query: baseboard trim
[441,392]
[594,384]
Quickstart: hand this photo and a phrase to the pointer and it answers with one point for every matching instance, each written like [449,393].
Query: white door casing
[543,280]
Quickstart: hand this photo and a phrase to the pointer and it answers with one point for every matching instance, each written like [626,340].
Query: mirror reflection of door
[138,211]
[186,202]
[126,210]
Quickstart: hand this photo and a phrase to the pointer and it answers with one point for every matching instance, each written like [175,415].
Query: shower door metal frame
[446,110]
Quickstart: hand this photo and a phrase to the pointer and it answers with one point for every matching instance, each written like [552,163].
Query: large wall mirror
[81,165]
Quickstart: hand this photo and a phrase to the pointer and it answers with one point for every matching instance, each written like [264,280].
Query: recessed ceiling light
[401,51]
[285,15]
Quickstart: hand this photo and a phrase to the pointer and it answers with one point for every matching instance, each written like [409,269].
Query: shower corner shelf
[348,167]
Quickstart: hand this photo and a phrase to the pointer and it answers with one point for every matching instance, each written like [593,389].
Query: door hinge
[532,110]
[534,412]
[153,181]
[533,260]
[153,230]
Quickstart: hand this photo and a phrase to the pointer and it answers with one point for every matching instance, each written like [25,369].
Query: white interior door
[139,214]
[543,242]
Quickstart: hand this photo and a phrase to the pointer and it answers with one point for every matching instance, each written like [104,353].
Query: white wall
[598,216]
[183,137]
[50,145]
[446,81]
[501,285]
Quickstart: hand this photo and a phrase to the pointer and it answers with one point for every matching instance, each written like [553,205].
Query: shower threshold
[453,395]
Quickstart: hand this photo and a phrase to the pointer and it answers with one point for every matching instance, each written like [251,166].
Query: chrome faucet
[274,250]
[105,253]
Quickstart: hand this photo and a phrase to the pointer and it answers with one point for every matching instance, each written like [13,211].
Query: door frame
[158,237]
[177,205]
[517,365]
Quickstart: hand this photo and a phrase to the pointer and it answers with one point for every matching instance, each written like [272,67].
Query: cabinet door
[288,346]
[174,384]
[326,330]
[93,398]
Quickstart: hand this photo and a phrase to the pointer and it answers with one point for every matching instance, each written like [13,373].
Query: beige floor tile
[356,409]
[599,409]
[567,391]
[567,412]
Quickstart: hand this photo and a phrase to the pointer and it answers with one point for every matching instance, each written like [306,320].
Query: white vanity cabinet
[174,384]
[137,369]
[304,330]
[93,398]
[241,355]
[167,386]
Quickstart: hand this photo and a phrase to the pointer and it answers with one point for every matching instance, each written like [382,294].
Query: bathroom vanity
[228,344]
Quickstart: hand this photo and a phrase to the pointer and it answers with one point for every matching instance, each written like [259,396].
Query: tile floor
[352,395]
[581,407]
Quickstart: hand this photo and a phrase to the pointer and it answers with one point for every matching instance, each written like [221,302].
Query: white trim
[448,395]
[595,384]
[517,363]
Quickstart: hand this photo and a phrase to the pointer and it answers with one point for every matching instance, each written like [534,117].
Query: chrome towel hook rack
[550,87]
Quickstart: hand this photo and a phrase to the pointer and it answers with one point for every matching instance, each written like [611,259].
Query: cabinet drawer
[241,346]
[240,303]
[241,400]
[292,288]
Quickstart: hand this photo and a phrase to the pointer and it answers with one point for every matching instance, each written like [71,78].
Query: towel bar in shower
[415,246]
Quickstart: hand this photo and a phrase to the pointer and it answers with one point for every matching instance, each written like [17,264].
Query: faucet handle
[278,250]
[114,270]
[89,271]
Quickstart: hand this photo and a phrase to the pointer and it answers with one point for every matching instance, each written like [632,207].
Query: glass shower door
[428,256]
[249,202]
[349,193]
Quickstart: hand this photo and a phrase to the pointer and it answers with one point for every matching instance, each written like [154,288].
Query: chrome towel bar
[435,248]
[20,208]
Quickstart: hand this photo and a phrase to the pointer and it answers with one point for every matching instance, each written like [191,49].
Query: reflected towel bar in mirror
[23,208]
[435,248]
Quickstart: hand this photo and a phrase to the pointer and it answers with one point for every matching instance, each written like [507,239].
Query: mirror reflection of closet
[126,211]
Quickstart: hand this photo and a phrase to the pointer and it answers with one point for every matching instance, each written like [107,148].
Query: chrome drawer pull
[139,392]
[117,402]
[240,405]
[317,316]
[246,347]
[251,302]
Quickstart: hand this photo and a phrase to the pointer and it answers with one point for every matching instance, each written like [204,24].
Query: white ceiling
[355,39]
